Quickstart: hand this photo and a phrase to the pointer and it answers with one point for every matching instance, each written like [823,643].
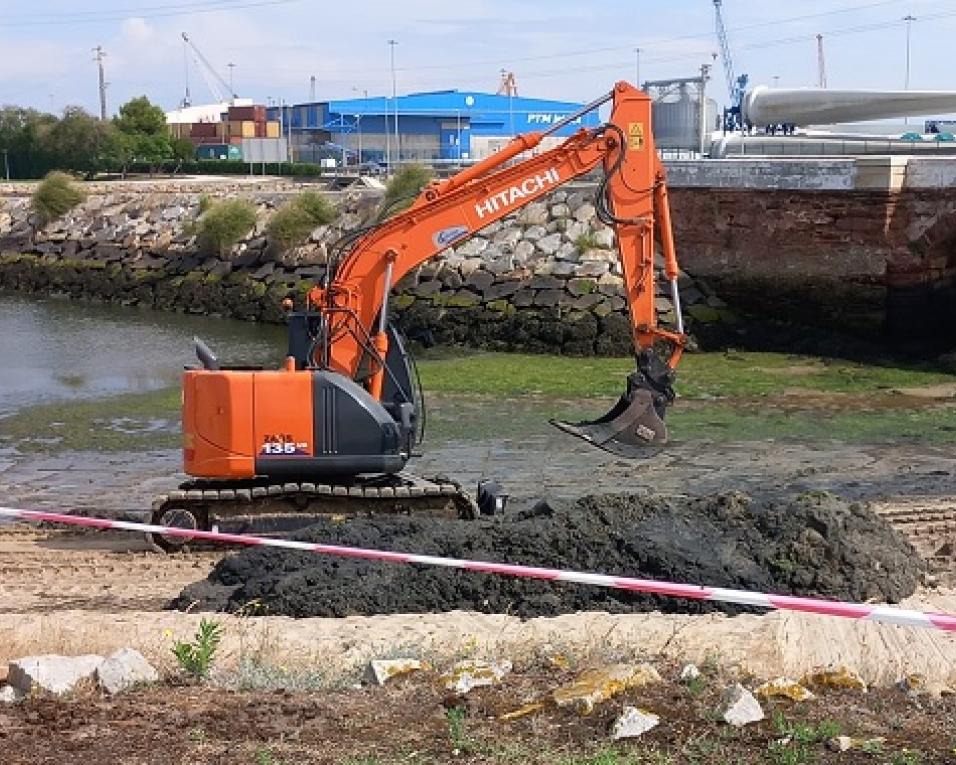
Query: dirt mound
[811,545]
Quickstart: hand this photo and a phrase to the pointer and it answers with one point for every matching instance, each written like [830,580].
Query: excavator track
[264,507]
[929,524]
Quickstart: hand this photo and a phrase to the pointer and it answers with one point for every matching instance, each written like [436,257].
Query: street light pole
[398,148]
[909,19]
[637,70]
[232,88]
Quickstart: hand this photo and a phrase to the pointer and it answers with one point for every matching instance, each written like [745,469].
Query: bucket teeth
[627,430]
[636,421]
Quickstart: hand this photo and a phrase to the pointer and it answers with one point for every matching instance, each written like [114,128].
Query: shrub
[292,223]
[56,195]
[402,189]
[225,223]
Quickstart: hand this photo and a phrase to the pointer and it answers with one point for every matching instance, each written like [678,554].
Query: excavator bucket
[636,421]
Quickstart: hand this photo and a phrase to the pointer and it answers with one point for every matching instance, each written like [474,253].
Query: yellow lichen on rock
[523,711]
[473,673]
[784,688]
[594,686]
[839,678]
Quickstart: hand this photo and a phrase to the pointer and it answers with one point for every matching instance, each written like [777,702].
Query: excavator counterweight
[340,420]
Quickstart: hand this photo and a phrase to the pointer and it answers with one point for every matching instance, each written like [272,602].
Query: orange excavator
[332,430]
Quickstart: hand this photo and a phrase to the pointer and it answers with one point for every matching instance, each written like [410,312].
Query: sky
[563,49]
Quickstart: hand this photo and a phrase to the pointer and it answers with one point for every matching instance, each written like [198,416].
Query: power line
[219,5]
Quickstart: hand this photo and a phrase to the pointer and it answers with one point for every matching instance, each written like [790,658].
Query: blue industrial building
[446,125]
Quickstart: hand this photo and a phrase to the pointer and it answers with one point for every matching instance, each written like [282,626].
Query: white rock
[585,212]
[473,673]
[604,238]
[689,672]
[739,707]
[11,695]
[474,246]
[633,722]
[51,673]
[380,671]
[124,669]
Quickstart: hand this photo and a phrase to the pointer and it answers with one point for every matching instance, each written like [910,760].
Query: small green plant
[585,242]
[195,656]
[292,223]
[225,223]
[264,756]
[402,189]
[205,202]
[907,757]
[696,685]
[461,742]
[55,196]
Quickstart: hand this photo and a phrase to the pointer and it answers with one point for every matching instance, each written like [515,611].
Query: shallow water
[58,349]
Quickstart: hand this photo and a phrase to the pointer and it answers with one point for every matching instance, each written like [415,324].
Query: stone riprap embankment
[545,279]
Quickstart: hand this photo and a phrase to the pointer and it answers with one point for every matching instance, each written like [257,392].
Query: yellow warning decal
[635,136]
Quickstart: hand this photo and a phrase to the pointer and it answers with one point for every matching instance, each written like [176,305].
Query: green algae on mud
[128,422]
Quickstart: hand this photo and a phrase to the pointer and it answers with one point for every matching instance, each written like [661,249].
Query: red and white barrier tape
[874,613]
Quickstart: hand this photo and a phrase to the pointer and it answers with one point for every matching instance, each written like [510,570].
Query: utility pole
[909,19]
[821,64]
[398,148]
[98,58]
[312,88]
[232,88]
[637,69]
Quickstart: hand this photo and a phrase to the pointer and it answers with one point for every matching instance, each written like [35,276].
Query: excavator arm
[632,198]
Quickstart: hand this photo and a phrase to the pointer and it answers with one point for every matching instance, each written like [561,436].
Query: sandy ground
[64,592]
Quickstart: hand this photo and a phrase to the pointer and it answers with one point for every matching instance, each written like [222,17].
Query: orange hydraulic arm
[447,212]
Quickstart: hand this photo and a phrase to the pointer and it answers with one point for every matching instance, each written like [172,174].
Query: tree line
[34,143]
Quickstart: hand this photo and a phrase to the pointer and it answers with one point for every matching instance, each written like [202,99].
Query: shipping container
[203,130]
[272,130]
[235,140]
[260,130]
[247,113]
[248,129]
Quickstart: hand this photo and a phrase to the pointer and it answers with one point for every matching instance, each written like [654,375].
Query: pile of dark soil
[811,545]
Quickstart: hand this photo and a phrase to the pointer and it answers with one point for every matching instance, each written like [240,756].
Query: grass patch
[292,223]
[223,224]
[55,196]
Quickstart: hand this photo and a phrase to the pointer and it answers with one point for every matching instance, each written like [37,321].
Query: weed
[585,242]
[225,223]
[907,757]
[611,756]
[205,202]
[195,656]
[461,742]
[198,735]
[55,196]
[695,685]
[292,223]
[264,756]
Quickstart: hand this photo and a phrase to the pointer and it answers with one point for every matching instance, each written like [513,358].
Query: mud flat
[811,545]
